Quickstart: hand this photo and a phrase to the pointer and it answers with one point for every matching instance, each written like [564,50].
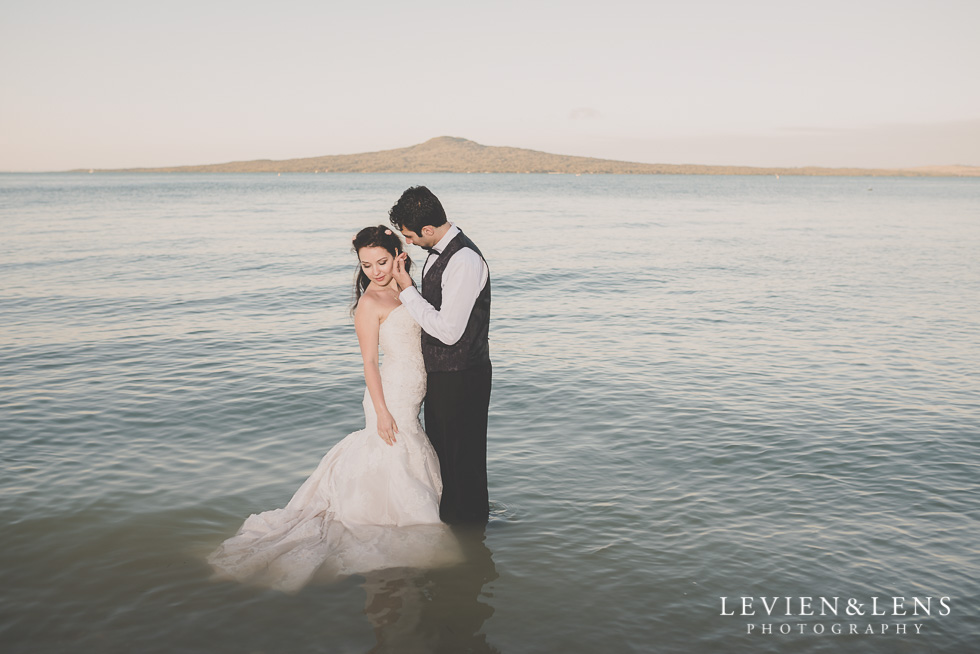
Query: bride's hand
[387,428]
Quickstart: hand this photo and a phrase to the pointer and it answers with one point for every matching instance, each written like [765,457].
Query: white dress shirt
[464,277]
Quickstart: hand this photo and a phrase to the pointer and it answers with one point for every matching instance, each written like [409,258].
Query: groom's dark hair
[416,208]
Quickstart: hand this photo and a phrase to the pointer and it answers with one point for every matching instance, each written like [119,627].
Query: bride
[373,501]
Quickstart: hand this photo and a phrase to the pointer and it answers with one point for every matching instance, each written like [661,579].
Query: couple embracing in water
[382,496]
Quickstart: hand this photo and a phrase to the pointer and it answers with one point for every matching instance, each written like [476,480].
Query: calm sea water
[704,387]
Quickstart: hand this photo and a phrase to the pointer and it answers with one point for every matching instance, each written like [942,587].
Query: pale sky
[109,84]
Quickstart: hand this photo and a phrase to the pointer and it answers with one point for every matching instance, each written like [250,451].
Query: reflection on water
[441,610]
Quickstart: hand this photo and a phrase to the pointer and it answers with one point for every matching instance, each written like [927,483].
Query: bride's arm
[367,324]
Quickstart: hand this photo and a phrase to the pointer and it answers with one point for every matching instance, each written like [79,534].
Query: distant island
[448,154]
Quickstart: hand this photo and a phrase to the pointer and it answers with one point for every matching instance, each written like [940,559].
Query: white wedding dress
[368,505]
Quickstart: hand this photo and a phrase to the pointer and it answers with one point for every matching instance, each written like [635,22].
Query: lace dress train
[367,506]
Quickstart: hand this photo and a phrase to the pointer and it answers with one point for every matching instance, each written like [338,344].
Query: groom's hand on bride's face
[402,278]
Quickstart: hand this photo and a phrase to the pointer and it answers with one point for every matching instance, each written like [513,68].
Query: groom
[453,309]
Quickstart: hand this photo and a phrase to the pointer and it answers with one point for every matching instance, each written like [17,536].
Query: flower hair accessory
[388,232]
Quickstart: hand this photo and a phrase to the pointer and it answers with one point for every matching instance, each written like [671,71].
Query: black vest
[473,347]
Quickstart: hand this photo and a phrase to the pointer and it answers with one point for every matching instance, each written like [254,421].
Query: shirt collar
[446,238]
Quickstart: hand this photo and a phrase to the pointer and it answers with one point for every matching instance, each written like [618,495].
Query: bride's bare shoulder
[367,307]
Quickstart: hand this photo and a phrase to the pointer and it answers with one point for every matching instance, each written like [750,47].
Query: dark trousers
[456,406]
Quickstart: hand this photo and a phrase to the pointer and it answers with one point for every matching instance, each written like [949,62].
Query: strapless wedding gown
[368,505]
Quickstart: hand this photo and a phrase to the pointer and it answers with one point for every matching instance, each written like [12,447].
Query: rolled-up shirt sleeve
[464,277]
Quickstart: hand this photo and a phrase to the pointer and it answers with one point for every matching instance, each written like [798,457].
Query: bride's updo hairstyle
[370,237]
